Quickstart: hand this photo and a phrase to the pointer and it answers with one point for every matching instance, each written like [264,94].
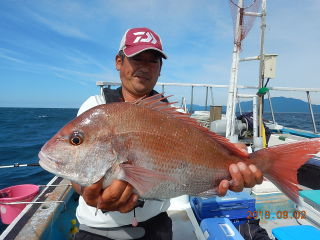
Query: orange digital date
[280,215]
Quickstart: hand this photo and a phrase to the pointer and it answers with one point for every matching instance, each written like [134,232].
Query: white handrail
[102,83]
[307,90]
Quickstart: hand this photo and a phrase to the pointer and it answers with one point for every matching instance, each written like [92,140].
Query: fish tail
[280,164]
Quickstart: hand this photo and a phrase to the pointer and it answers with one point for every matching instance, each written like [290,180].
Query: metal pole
[312,117]
[255,117]
[212,96]
[15,203]
[234,73]
[239,106]
[102,93]
[271,109]
[162,88]
[261,70]
[191,99]
[206,99]
[249,58]
[233,116]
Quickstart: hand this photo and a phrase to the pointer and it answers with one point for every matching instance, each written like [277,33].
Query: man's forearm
[77,188]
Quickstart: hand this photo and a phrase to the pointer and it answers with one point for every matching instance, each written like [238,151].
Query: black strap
[139,203]
[115,95]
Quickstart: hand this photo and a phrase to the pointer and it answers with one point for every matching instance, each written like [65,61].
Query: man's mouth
[142,77]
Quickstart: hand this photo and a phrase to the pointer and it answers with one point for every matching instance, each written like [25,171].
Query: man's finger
[237,179]
[247,175]
[114,191]
[129,204]
[114,198]
[242,147]
[93,191]
[257,174]
[223,187]
[118,197]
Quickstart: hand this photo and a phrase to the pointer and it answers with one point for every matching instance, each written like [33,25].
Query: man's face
[139,74]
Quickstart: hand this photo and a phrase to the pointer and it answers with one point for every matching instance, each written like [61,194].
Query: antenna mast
[242,23]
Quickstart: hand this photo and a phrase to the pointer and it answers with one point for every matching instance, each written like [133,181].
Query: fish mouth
[52,165]
[49,163]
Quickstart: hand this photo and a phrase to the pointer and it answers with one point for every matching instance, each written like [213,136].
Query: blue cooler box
[233,205]
[296,232]
[219,228]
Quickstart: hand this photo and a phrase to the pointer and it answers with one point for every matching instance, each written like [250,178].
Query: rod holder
[233,138]
[257,143]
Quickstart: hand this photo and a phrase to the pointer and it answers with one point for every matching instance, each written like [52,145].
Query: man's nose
[144,67]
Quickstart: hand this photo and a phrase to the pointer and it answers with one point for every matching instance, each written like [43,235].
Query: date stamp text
[280,215]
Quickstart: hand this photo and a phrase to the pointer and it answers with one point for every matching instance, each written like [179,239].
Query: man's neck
[130,98]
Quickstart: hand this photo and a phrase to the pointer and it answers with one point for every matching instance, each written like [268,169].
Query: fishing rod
[22,165]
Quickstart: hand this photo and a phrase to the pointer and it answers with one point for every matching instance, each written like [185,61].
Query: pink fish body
[161,152]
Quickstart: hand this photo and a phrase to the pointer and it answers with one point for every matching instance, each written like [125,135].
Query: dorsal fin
[154,102]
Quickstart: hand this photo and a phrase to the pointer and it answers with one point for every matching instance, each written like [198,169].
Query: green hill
[279,104]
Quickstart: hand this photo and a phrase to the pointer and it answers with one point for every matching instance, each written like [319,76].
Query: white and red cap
[137,40]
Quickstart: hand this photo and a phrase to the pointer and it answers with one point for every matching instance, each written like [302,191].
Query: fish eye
[76,138]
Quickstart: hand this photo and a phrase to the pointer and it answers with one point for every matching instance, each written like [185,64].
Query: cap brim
[132,51]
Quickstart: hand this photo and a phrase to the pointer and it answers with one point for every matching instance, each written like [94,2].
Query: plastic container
[219,228]
[311,197]
[296,232]
[310,211]
[18,193]
[309,173]
[234,206]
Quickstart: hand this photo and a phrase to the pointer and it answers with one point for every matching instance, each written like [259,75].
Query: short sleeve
[90,103]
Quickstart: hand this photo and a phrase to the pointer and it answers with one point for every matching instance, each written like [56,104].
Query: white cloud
[10,58]
[61,27]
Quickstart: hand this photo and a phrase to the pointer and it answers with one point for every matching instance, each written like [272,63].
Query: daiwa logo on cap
[149,38]
[137,40]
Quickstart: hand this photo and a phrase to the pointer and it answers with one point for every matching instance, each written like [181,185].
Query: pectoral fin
[142,179]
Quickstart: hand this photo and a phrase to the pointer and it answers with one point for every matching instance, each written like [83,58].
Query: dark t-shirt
[115,95]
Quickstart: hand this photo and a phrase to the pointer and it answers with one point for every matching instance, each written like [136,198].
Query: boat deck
[181,220]
[268,225]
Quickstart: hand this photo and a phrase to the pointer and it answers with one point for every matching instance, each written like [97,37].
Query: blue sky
[53,52]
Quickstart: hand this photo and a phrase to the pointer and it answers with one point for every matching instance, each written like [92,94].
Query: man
[139,63]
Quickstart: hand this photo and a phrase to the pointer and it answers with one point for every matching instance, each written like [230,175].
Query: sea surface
[23,131]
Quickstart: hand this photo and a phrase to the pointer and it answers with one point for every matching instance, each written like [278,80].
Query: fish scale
[164,152]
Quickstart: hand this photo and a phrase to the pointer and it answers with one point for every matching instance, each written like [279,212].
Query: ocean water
[23,131]
[295,120]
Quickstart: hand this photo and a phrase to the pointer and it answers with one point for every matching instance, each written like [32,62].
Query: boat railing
[22,202]
[103,84]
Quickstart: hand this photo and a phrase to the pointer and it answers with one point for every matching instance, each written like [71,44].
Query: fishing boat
[48,215]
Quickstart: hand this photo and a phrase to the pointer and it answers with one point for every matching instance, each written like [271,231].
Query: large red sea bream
[161,152]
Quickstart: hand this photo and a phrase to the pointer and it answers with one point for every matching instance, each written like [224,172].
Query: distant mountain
[279,104]
[282,104]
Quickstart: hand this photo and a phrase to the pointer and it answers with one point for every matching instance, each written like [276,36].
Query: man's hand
[117,197]
[244,176]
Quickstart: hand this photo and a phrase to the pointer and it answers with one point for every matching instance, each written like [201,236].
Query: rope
[245,7]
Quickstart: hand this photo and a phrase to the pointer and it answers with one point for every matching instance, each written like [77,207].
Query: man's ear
[118,62]
[160,68]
